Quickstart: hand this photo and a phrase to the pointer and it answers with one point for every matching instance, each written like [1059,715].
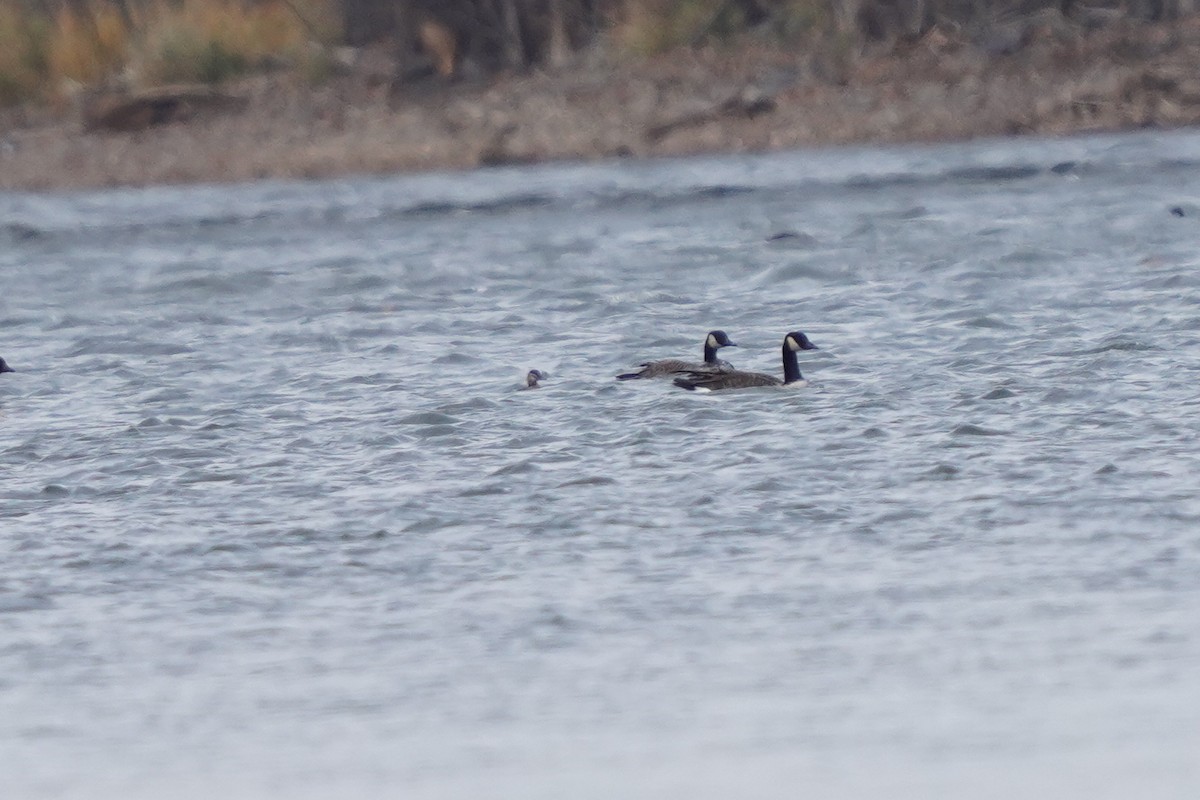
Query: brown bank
[1048,76]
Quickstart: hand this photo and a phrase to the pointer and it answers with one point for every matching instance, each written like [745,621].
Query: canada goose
[4,367]
[736,379]
[532,378]
[670,366]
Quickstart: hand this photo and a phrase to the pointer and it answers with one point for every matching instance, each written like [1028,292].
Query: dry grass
[654,26]
[211,40]
[88,45]
[154,42]
[23,41]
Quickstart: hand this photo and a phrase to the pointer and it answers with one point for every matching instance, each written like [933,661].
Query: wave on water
[25,217]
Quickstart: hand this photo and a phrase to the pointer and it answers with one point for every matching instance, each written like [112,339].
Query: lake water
[277,522]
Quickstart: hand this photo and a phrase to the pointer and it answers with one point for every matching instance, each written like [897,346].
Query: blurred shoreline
[745,96]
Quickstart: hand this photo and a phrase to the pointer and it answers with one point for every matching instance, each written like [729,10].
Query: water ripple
[275,496]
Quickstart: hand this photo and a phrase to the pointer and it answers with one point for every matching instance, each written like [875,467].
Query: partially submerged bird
[532,378]
[737,379]
[4,367]
[672,366]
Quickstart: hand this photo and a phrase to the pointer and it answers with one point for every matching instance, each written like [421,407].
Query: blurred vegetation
[210,41]
[24,59]
[496,34]
[49,48]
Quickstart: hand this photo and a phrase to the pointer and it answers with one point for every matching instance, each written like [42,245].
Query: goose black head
[4,367]
[533,376]
[718,339]
[798,341]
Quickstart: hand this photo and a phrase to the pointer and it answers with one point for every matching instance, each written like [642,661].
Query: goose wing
[673,366]
[730,379]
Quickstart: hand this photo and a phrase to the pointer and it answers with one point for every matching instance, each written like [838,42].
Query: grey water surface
[276,520]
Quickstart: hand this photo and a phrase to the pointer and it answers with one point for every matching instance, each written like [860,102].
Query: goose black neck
[791,365]
[710,354]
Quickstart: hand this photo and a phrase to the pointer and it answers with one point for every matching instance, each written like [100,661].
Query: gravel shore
[1046,77]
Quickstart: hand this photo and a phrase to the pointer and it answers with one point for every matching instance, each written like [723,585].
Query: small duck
[532,378]
[737,379]
[672,366]
[4,367]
